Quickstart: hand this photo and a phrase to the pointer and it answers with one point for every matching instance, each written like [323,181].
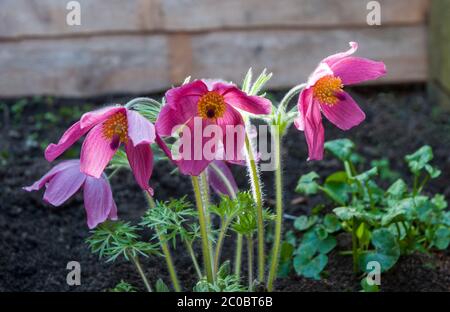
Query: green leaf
[286,254]
[432,171]
[384,169]
[417,160]
[441,237]
[397,189]
[439,201]
[369,288]
[342,148]
[310,268]
[306,184]
[367,175]
[337,191]
[331,223]
[387,250]
[303,223]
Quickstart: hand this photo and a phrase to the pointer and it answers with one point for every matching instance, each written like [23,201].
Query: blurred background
[138,46]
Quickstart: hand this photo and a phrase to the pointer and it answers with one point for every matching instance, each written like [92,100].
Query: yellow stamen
[211,105]
[327,88]
[116,128]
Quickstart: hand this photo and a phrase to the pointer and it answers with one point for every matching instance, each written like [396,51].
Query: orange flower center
[115,128]
[211,105]
[327,88]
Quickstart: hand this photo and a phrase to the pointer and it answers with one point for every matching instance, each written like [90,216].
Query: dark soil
[37,241]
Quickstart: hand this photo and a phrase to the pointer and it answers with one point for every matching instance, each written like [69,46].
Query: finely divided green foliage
[123,287]
[225,281]
[112,239]
[384,223]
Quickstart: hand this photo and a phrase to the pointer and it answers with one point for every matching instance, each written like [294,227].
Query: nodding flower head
[107,129]
[324,94]
[65,179]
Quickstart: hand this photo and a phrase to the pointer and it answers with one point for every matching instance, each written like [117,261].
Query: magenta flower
[217,171]
[107,129]
[65,179]
[213,103]
[324,94]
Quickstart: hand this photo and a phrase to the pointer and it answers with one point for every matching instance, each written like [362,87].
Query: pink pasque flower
[324,94]
[213,103]
[107,129]
[65,179]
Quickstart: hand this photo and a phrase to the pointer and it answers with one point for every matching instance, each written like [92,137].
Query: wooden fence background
[141,46]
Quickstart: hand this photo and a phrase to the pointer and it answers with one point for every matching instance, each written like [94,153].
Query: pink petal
[184,99]
[233,135]
[140,158]
[63,185]
[216,181]
[168,120]
[90,119]
[330,60]
[357,69]
[345,114]
[96,152]
[322,70]
[49,175]
[140,130]
[98,201]
[193,161]
[314,131]
[305,97]
[239,99]
[67,140]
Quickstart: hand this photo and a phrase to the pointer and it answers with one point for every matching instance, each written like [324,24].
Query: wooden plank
[29,18]
[84,66]
[139,64]
[439,48]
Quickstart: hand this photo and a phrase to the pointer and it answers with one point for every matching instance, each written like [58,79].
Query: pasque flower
[324,94]
[65,179]
[107,129]
[211,103]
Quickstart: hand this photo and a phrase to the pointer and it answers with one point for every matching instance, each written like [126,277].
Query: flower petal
[49,175]
[67,140]
[184,99]
[168,120]
[63,185]
[218,171]
[345,114]
[330,60]
[140,130]
[140,158]
[239,99]
[303,101]
[313,127]
[233,130]
[98,201]
[353,70]
[96,152]
[95,117]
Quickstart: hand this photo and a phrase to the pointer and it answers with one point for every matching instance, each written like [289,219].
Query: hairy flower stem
[223,230]
[141,273]
[203,230]
[257,196]
[166,251]
[279,208]
[250,261]
[206,200]
[194,260]
[238,256]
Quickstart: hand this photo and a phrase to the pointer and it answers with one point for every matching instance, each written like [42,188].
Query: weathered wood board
[83,66]
[32,18]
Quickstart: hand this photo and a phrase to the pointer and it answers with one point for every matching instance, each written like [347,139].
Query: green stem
[223,230]
[165,249]
[238,256]
[257,196]
[290,95]
[206,200]
[194,260]
[203,231]
[250,262]
[355,246]
[141,273]
[279,209]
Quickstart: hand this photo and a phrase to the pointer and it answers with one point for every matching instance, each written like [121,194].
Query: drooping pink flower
[217,172]
[324,94]
[107,129]
[65,179]
[208,103]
